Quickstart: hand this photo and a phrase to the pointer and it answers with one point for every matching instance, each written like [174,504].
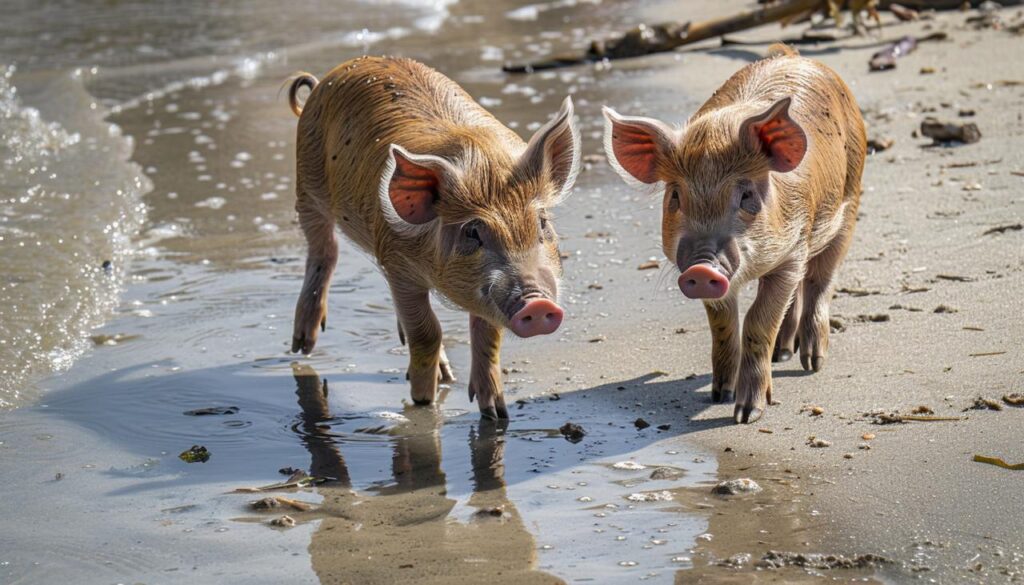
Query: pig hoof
[721,395]
[489,413]
[814,363]
[499,405]
[303,344]
[746,414]
[782,355]
[421,401]
[446,375]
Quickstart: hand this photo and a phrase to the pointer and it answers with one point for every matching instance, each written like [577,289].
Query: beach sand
[95,492]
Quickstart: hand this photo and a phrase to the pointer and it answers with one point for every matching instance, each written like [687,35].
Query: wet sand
[435,495]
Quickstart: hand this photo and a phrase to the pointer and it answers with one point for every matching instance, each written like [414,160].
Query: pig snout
[538,317]
[703,281]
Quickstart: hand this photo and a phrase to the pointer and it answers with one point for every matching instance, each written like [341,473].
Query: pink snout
[538,317]
[702,281]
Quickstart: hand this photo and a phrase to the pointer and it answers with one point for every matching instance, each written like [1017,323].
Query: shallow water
[165,128]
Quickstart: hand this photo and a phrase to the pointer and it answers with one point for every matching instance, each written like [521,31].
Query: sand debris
[982,403]
[299,479]
[276,502]
[999,462]
[735,487]
[945,132]
[212,411]
[662,496]
[572,432]
[1014,399]
[777,560]
[195,454]
[285,521]
[661,473]
[999,229]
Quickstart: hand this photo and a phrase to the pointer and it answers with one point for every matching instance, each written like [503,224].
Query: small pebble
[734,487]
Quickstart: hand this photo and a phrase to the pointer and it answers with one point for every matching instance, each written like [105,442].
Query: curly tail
[299,80]
[781,50]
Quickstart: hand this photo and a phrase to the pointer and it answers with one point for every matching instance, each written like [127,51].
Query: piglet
[762,183]
[447,199]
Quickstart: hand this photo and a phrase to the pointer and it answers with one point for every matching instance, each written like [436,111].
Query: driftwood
[942,132]
[660,38]
[669,36]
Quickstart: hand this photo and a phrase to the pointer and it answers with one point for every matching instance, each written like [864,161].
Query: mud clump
[285,521]
[641,424]
[572,432]
[195,454]
[982,403]
[735,487]
[777,560]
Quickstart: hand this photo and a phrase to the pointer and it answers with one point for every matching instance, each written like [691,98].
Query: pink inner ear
[635,151]
[412,190]
[783,141]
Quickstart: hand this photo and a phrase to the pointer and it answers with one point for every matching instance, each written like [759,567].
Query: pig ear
[410,186]
[554,150]
[777,135]
[634,145]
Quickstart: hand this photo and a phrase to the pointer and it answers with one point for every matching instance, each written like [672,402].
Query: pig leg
[786,342]
[754,385]
[485,373]
[322,257]
[423,334]
[445,375]
[817,292]
[724,318]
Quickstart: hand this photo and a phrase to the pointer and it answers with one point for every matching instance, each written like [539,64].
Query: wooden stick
[669,36]
[660,38]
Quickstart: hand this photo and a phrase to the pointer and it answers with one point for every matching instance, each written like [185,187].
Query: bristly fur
[354,123]
[785,135]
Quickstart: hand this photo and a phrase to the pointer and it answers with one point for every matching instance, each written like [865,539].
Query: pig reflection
[763,183]
[404,529]
[445,197]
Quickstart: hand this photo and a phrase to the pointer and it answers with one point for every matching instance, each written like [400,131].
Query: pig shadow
[141,411]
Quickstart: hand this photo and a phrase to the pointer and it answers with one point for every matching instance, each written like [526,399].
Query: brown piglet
[762,183]
[445,197]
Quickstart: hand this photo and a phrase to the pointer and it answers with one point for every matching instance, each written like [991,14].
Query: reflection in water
[405,528]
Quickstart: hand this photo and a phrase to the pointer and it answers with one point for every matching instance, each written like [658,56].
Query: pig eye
[471,236]
[673,200]
[749,201]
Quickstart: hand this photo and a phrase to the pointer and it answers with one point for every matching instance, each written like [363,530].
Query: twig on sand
[646,39]
[999,462]
[886,58]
